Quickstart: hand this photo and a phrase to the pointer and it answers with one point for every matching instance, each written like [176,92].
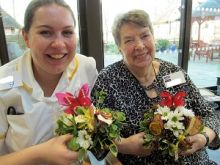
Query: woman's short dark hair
[138,17]
[35,4]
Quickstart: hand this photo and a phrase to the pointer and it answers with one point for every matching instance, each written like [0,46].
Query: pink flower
[67,99]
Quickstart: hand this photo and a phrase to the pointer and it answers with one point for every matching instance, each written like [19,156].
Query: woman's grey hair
[35,4]
[138,17]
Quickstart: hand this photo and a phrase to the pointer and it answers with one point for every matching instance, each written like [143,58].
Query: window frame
[3,48]
[91,32]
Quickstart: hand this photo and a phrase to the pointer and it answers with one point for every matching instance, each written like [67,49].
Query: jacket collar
[24,68]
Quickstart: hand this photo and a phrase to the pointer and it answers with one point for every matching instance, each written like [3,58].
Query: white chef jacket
[38,121]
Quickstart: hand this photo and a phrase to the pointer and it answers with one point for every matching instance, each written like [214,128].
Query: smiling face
[137,46]
[51,39]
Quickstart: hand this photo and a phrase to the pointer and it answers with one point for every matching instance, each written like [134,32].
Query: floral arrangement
[108,126]
[167,124]
[92,128]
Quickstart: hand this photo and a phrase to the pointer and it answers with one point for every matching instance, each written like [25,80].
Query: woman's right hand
[133,145]
[55,151]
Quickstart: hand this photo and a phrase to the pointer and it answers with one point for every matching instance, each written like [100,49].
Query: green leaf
[148,138]
[79,110]
[112,135]
[113,149]
[119,116]
[100,96]
[73,145]
[113,127]
[164,144]
[148,115]
[82,152]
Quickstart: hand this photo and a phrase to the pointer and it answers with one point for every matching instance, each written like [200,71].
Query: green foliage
[80,125]
[147,119]
[113,149]
[111,48]
[93,128]
[63,128]
[73,145]
[100,97]
[82,153]
[148,138]
[162,44]
[106,134]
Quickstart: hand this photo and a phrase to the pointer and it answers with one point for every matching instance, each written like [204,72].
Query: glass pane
[165,16]
[204,63]
[13,14]
[73,5]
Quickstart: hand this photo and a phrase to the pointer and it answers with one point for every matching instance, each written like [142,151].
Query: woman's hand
[56,152]
[53,152]
[133,145]
[198,141]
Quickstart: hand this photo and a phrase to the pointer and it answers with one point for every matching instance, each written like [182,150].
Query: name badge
[174,79]
[11,81]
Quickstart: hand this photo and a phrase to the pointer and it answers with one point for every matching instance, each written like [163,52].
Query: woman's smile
[142,57]
[56,56]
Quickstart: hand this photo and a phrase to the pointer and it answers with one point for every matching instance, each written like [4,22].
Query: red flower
[170,100]
[67,99]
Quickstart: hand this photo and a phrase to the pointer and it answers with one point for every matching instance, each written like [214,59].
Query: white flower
[108,121]
[164,112]
[174,122]
[175,115]
[176,127]
[177,132]
[84,139]
[185,112]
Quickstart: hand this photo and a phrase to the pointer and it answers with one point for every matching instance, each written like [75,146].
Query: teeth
[57,56]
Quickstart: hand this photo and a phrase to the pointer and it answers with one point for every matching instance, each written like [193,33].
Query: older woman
[133,86]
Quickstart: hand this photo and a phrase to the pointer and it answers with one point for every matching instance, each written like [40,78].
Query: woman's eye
[128,41]
[145,36]
[46,33]
[68,33]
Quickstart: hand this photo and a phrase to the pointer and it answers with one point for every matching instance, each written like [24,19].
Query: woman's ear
[26,38]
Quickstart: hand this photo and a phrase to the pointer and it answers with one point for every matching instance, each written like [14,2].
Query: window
[165,16]
[13,14]
[204,62]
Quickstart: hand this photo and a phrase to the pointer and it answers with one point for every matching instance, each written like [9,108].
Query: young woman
[29,108]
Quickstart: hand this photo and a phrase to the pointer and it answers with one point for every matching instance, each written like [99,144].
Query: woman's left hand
[197,142]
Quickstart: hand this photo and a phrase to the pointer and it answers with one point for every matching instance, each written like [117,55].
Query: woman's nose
[139,44]
[58,42]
